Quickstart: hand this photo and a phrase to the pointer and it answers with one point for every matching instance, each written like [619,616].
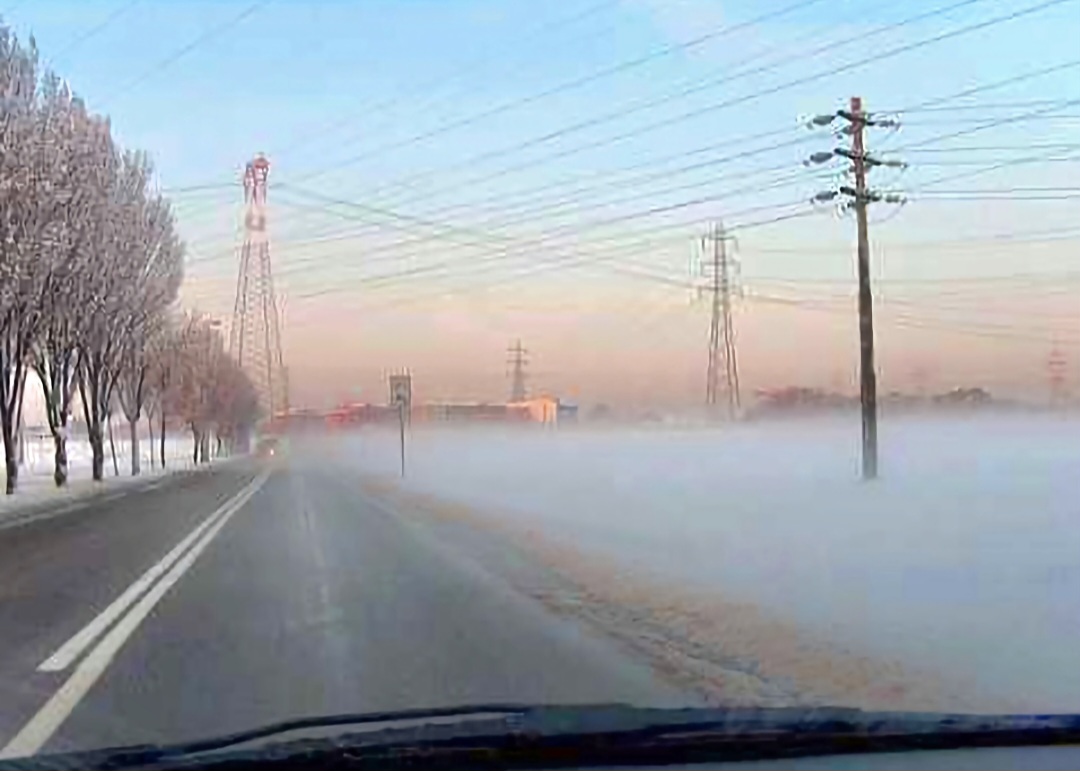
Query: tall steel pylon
[255,335]
[717,266]
[516,358]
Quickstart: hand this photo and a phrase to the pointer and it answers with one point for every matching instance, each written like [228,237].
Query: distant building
[546,410]
[539,409]
[481,412]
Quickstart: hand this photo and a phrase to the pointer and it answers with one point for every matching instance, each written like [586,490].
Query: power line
[570,85]
[1041,72]
[1010,81]
[896,51]
[1013,80]
[986,197]
[937,100]
[387,104]
[565,261]
[983,107]
[994,148]
[532,214]
[95,30]
[681,204]
[904,320]
[641,178]
[540,239]
[399,244]
[731,102]
[453,232]
[803,80]
[622,244]
[623,112]
[202,39]
[714,162]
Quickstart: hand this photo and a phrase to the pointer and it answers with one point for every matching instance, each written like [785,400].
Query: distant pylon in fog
[1056,369]
[255,335]
[516,358]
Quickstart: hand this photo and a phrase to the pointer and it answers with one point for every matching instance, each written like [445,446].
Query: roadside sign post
[401,427]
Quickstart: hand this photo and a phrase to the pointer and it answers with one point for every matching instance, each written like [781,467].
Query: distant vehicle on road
[267,447]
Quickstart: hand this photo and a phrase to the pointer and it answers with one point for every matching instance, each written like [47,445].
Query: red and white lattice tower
[255,335]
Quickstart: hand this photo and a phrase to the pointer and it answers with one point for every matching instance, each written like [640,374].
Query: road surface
[246,594]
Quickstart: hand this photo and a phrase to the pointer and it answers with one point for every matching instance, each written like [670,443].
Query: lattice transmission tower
[255,335]
[517,358]
[718,266]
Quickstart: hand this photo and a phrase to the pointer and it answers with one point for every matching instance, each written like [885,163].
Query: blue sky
[453,112]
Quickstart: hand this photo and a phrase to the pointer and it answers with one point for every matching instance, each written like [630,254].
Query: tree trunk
[150,430]
[97,448]
[11,459]
[60,467]
[204,452]
[112,446]
[163,436]
[135,447]
[196,445]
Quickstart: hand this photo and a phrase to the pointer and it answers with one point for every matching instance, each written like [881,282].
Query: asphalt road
[228,599]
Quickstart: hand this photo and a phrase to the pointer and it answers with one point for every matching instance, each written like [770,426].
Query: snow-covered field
[962,561]
[35,484]
[38,455]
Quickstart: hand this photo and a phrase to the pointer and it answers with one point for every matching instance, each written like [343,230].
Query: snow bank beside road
[38,455]
[962,559]
[38,494]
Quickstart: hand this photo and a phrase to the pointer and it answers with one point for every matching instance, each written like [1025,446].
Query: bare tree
[55,351]
[164,355]
[138,281]
[201,347]
[234,403]
[137,370]
[35,193]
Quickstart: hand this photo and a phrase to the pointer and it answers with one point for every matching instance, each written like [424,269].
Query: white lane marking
[71,507]
[50,717]
[74,647]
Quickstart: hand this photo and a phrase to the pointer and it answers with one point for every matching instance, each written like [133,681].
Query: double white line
[117,623]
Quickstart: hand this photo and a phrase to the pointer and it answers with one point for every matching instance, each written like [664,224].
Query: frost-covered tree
[162,361]
[211,394]
[90,265]
[201,347]
[141,267]
[35,196]
[89,162]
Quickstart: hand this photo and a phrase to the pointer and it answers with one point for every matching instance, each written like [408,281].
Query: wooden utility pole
[860,197]
[867,376]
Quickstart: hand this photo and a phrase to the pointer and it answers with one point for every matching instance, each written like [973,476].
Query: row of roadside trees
[90,268]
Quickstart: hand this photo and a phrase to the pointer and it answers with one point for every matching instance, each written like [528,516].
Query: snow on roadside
[36,486]
[961,560]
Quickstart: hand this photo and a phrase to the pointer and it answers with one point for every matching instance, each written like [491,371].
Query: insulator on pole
[823,156]
[819,121]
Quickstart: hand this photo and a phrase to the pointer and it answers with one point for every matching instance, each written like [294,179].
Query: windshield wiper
[509,736]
